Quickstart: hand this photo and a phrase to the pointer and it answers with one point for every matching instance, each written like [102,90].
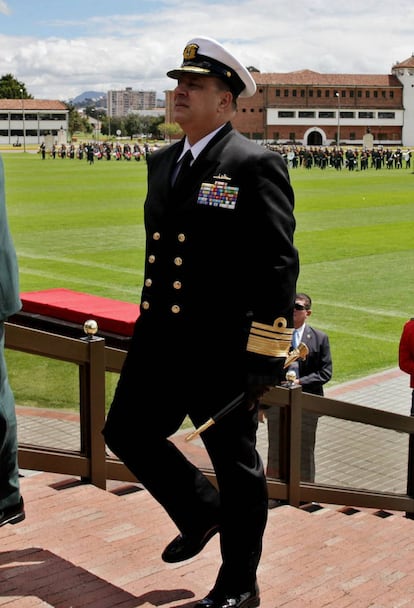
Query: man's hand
[264,374]
[257,386]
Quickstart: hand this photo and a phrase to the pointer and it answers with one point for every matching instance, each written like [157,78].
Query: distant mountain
[92,95]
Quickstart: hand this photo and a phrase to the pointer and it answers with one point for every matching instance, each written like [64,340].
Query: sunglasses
[300,306]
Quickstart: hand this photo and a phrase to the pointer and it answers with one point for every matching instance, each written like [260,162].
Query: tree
[170,129]
[10,88]
[94,112]
[112,124]
[133,125]
[77,122]
[154,127]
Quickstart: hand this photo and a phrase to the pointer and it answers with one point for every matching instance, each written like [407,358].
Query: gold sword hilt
[301,352]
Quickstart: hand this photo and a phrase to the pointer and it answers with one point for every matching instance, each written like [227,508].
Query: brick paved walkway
[82,547]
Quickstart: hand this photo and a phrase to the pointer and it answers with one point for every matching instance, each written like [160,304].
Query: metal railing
[91,463]
[295,491]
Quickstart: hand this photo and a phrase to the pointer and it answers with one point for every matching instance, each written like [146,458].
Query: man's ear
[226,100]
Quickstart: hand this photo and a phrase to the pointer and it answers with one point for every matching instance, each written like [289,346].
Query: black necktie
[184,169]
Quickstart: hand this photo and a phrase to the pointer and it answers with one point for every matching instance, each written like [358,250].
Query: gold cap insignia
[190,52]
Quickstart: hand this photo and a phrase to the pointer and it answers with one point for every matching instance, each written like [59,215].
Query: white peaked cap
[206,56]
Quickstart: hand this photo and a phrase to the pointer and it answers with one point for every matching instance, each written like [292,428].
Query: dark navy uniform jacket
[219,255]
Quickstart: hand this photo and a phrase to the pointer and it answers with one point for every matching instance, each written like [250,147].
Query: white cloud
[4,8]
[115,51]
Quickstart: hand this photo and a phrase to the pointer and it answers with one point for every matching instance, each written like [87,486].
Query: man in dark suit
[311,374]
[215,321]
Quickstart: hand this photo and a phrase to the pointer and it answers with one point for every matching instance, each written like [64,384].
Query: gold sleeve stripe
[271,340]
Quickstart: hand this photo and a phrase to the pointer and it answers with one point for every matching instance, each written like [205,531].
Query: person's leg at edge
[9,472]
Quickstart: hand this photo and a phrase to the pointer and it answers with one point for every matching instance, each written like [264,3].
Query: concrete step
[80,547]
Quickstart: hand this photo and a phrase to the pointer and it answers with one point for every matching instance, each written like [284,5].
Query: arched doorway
[314,139]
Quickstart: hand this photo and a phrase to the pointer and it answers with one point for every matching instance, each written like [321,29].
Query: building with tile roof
[30,121]
[313,109]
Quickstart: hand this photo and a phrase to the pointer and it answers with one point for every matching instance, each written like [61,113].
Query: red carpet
[112,316]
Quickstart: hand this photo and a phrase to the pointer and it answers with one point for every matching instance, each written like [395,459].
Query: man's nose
[181,88]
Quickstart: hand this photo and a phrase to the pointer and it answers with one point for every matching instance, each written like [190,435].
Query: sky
[61,48]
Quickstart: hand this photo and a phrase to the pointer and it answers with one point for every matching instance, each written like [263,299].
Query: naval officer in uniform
[215,321]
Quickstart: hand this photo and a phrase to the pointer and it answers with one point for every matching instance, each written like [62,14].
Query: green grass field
[80,226]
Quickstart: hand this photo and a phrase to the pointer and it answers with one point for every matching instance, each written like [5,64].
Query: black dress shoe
[248,599]
[244,600]
[184,546]
[212,600]
[13,514]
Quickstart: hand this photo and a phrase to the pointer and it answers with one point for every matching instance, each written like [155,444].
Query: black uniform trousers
[172,371]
